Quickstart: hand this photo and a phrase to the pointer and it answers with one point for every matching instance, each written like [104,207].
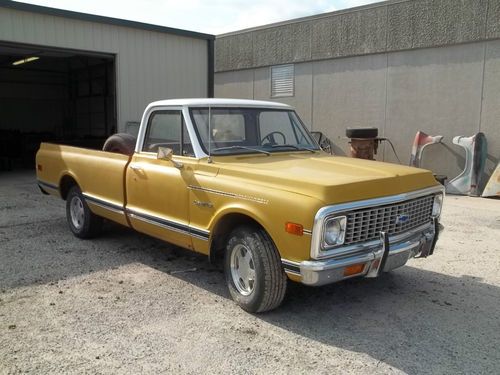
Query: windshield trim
[315,147]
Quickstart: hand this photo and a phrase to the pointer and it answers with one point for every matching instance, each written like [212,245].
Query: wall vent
[282,80]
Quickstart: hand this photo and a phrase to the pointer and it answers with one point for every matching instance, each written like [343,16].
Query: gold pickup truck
[245,181]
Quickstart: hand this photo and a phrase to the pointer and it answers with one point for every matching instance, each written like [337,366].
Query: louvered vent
[282,78]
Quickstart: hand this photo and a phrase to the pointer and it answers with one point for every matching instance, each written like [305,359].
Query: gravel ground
[126,303]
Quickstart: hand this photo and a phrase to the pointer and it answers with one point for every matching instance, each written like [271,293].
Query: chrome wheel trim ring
[242,269]
[77,212]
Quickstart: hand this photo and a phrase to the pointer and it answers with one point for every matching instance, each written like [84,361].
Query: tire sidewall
[246,237]
[85,228]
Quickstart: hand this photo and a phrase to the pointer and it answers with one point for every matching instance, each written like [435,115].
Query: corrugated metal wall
[150,65]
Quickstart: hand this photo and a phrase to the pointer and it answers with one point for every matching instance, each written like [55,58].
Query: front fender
[272,214]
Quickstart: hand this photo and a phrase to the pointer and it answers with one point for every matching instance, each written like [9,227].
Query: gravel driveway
[125,303]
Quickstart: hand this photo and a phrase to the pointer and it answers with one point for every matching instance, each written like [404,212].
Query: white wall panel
[150,65]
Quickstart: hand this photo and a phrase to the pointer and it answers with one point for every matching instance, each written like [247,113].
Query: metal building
[76,78]
[399,65]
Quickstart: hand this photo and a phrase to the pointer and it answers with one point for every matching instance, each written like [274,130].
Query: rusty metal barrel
[363,141]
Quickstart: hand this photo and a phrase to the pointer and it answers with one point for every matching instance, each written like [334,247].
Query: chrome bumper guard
[383,256]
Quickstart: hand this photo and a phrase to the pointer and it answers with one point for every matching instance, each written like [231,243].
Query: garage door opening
[49,95]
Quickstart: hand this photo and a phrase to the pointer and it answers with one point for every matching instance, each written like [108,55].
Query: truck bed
[99,174]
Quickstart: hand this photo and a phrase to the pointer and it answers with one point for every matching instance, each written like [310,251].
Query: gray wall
[369,67]
[382,27]
[149,65]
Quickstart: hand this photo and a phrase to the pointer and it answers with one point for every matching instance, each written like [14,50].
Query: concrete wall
[150,65]
[445,91]
[401,66]
[383,27]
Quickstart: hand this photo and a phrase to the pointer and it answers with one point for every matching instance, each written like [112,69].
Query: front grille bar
[366,224]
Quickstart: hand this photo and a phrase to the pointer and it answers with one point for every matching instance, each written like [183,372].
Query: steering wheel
[271,139]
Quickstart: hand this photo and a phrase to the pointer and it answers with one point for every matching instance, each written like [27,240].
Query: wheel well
[222,230]
[66,183]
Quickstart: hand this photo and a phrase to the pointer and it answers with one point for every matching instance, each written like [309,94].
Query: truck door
[157,190]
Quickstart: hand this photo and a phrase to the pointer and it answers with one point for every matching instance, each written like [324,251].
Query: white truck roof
[219,102]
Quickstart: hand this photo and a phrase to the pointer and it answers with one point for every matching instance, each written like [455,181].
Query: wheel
[121,143]
[271,139]
[82,222]
[362,133]
[254,274]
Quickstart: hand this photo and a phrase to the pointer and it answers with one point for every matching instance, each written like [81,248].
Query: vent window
[282,80]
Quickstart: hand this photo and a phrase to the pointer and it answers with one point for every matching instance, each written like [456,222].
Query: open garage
[76,78]
[54,95]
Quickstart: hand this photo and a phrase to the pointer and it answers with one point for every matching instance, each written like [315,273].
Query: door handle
[135,167]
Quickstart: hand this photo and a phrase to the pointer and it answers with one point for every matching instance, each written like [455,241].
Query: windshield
[250,130]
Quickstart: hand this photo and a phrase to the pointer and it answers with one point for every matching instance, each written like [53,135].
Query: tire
[82,222]
[249,251]
[121,143]
[362,133]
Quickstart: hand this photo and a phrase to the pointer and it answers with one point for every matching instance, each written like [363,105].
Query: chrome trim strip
[150,219]
[227,194]
[323,212]
[327,210]
[291,267]
[48,185]
[153,222]
[170,225]
[307,231]
[198,237]
[104,204]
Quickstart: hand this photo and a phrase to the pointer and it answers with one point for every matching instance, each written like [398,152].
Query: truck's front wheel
[254,274]
[82,222]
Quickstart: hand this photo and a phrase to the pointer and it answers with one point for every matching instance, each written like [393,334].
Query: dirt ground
[125,303]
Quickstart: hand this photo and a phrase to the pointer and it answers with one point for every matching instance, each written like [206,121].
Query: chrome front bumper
[382,256]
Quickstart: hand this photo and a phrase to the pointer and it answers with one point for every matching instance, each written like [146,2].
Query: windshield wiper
[241,147]
[295,147]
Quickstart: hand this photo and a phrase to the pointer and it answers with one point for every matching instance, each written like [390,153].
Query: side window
[167,129]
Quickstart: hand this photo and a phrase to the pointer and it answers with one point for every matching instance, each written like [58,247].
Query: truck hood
[331,179]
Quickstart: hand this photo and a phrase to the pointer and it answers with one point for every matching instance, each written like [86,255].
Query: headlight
[334,231]
[436,206]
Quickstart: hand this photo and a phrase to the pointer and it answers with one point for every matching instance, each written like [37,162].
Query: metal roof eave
[102,19]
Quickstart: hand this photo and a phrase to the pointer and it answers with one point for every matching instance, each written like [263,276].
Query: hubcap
[77,212]
[243,269]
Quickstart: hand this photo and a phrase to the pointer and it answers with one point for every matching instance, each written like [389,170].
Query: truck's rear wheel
[82,222]
[254,274]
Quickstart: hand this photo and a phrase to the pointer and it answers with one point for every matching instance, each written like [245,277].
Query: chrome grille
[367,223]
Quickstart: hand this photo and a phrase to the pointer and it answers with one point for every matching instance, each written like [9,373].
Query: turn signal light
[354,269]
[294,228]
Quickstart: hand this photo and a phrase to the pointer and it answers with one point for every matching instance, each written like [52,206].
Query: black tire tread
[275,279]
[278,279]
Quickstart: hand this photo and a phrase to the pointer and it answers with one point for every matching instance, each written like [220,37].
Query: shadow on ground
[410,319]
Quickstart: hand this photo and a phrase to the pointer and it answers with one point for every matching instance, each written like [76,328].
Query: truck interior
[53,95]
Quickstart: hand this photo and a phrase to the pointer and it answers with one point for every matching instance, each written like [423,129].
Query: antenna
[209,133]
